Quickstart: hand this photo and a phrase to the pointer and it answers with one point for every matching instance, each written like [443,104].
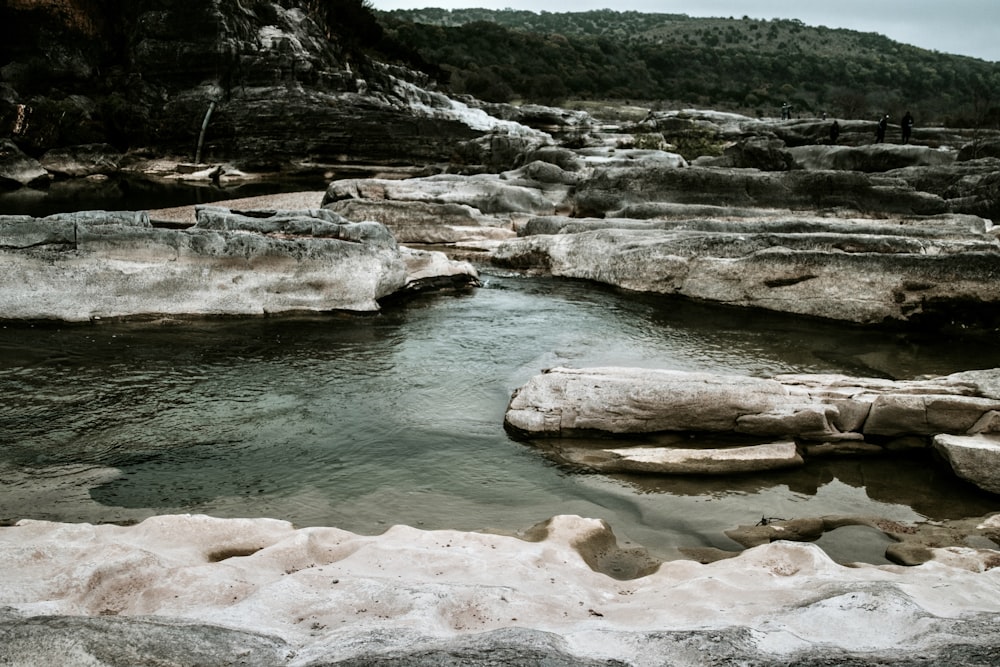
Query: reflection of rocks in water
[27,489]
[599,548]
[970,543]
[856,544]
[852,363]
[916,480]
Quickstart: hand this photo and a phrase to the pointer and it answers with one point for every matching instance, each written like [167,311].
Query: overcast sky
[965,27]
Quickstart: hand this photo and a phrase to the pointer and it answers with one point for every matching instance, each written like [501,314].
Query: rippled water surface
[362,422]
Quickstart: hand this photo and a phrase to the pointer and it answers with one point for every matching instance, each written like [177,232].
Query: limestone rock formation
[770,414]
[184,589]
[17,169]
[91,266]
[974,458]
[82,161]
[857,277]
[719,461]
[450,209]
[613,188]
[870,158]
[256,84]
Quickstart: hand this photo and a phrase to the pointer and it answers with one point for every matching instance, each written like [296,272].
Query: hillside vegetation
[745,65]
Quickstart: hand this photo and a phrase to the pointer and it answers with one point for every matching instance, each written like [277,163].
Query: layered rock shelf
[903,248]
[769,217]
[184,590]
[87,266]
[786,417]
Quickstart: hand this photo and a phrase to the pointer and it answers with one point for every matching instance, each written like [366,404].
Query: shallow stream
[362,422]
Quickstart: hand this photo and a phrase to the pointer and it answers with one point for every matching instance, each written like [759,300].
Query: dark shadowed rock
[766,154]
[613,188]
[971,186]
[17,169]
[79,161]
[257,84]
[982,148]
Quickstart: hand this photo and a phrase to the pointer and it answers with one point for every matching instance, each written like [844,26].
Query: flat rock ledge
[94,265]
[914,247]
[181,590]
[933,271]
[661,411]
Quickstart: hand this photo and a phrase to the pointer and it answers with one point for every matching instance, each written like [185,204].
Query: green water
[362,422]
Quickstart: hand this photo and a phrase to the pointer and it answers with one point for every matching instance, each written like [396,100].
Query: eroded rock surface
[974,458]
[90,266]
[777,413]
[180,589]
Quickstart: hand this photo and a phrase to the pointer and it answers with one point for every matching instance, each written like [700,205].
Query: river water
[362,422]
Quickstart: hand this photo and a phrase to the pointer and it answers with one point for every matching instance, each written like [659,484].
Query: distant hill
[746,65]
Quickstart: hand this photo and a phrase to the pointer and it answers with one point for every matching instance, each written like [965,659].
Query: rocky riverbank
[671,422]
[97,265]
[768,216]
[181,590]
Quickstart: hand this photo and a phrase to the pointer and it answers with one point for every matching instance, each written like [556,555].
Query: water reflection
[366,421]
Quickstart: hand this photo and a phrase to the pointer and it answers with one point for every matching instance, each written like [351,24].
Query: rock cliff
[253,83]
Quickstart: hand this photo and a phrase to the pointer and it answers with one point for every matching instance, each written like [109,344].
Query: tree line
[744,65]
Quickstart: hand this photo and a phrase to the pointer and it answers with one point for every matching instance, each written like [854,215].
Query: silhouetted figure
[786,111]
[907,127]
[834,132]
[883,123]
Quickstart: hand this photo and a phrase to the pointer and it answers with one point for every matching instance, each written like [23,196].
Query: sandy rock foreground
[181,590]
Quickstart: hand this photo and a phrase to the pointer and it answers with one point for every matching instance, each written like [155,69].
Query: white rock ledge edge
[326,592]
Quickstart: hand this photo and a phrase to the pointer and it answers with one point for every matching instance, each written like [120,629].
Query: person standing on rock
[834,132]
[907,127]
[883,123]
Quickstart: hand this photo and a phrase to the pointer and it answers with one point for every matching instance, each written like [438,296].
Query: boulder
[82,161]
[433,271]
[827,414]
[974,458]
[17,169]
[564,401]
[988,147]
[764,153]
